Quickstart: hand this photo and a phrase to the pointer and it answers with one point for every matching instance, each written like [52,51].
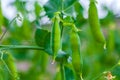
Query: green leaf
[42,39]
[78,8]
[70,11]
[52,6]
[58,5]
[68,3]
[80,20]
[38,9]
[20,5]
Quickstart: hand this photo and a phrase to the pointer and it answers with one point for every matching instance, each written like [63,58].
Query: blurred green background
[36,64]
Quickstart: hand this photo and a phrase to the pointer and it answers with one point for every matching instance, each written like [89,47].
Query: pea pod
[94,23]
[56,36]
[9,60]
[76,55]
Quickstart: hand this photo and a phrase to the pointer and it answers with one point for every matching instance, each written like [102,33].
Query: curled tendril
[19,16]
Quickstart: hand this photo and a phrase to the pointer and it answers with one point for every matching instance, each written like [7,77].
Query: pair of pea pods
[74,37]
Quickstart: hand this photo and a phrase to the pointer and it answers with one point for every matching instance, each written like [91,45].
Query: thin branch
[62,71]
[9,47]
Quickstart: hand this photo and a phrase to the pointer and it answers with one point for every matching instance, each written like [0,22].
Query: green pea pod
[9,61]
[76,55]
[94,23]
[56,36]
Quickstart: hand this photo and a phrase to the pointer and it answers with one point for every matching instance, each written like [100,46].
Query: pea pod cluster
[56,36]
[94,23]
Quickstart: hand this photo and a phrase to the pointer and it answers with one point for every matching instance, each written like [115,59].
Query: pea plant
[66,47]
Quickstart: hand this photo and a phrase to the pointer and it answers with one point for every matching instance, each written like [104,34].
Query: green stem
[9,47]
[61,16]
[62,71]
[71,25]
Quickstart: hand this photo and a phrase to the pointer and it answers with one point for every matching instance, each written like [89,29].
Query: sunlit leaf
[57,5]
[38,9]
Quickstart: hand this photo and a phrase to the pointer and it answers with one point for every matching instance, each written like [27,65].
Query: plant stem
[62,71]
[9,47]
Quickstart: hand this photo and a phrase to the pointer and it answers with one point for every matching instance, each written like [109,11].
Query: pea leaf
[40,36]
[42,39]
[58,5]
[80,20]
[38,9]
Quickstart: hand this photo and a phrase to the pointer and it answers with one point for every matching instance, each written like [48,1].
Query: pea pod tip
[104,46]
[53,61]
